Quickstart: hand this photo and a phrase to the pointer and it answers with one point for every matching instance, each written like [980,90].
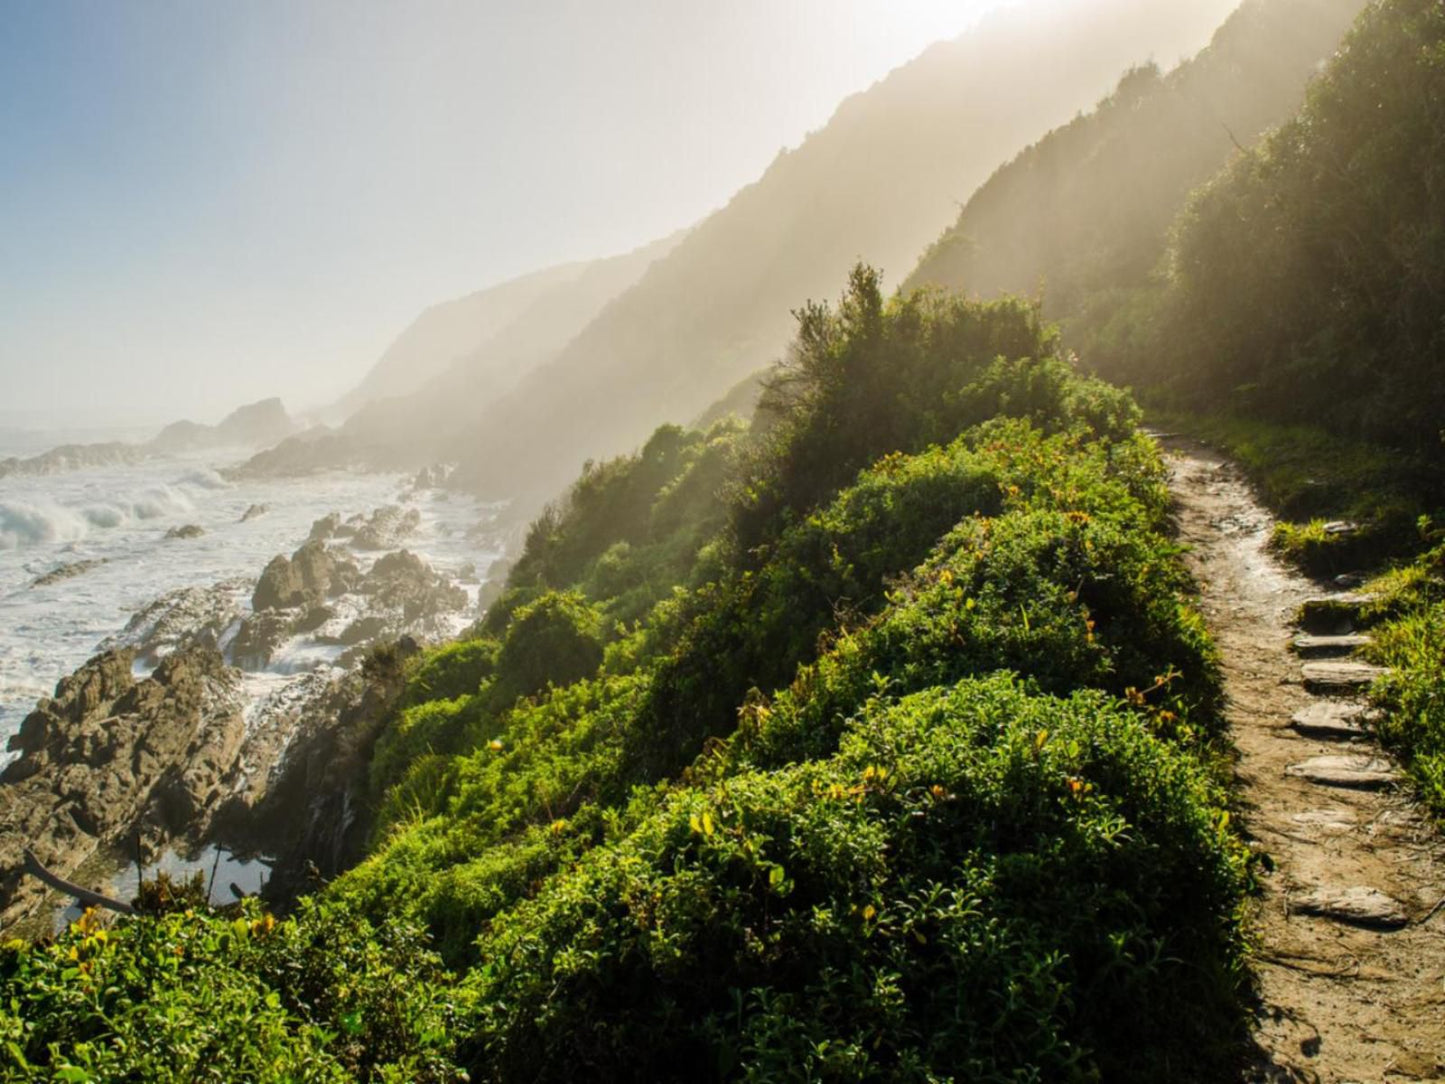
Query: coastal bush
[981,884]
[554,640]
[323,996]
[872,741]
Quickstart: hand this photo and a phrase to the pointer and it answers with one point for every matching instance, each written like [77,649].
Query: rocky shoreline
[235,713]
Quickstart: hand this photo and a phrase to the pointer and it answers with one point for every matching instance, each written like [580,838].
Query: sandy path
[1340,1000]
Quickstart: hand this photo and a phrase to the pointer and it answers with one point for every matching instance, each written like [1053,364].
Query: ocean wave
[203,478]
[24,523]
[30,523]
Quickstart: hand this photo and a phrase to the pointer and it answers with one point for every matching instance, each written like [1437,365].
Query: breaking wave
[28,523]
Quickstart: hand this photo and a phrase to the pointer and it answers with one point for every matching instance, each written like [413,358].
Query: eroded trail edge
[1349,928]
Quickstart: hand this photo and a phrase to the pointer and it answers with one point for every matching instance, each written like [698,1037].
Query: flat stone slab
[1332,613]
[1331,677]
[1326,820]
[1356,772]
[1356,906]
[1313,647]
[1333,719]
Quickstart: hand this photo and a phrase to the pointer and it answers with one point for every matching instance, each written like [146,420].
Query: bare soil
[1340,998]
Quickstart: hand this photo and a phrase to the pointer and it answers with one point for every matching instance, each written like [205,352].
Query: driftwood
[70,888]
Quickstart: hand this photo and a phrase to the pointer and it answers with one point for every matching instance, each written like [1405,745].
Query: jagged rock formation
[312,573]
[109,756]
[185,617]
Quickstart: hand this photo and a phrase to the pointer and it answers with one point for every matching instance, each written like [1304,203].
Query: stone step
[1340,677]
[1332,614]
[1355,906]
[1355,772]
[1331,821]
[1338,720]
[1309,646]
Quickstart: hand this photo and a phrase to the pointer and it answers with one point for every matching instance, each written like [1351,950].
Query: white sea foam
[114,519]
[27,523]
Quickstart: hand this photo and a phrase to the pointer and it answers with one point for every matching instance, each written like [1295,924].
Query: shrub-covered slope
[1084,214]
[1307,282]
[878,180]
[870,742]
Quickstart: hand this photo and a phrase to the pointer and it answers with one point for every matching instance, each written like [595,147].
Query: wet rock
[387,527]
[312,812]
[1333,720]
[1334,677]
[313,573]
[186,531]
[1355,772]
[259,638]
[107,753]
[325,527]
[186,617]
[433,476]
[67,572]
[404,581]
[312,618]
[254,512]
[278,587]
[362,630]
[1356,906]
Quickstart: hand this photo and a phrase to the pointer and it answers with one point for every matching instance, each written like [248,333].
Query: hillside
[876,743]
[1325,245]
[461,353]
[1083,215]
[449,331]
[930,725]
[877,181]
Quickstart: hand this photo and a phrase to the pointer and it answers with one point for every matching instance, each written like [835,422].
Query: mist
[204,207]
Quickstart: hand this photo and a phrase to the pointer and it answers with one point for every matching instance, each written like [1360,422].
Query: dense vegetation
[1304,309]
[1306,281]
[871,741]
[1084,216]
[1290,309]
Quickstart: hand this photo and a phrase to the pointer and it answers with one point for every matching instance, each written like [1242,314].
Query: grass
[1310,478]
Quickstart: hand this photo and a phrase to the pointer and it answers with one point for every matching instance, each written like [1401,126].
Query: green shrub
[555,640]
[980,885]
[324,996]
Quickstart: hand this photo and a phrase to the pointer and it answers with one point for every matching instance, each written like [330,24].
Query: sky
[203,203]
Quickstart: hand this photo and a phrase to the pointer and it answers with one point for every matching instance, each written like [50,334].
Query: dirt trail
[1356,993]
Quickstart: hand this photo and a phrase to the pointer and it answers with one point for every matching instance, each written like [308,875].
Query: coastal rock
[256,425]
[66,572]
[189,530]
[109,755]
[312,574]
[325,528]
[404,581]
[186,617]
[69,457]
[386,528]
[258,639]
[255,511]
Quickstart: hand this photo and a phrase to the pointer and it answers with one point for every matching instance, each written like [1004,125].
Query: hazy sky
[209,201]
